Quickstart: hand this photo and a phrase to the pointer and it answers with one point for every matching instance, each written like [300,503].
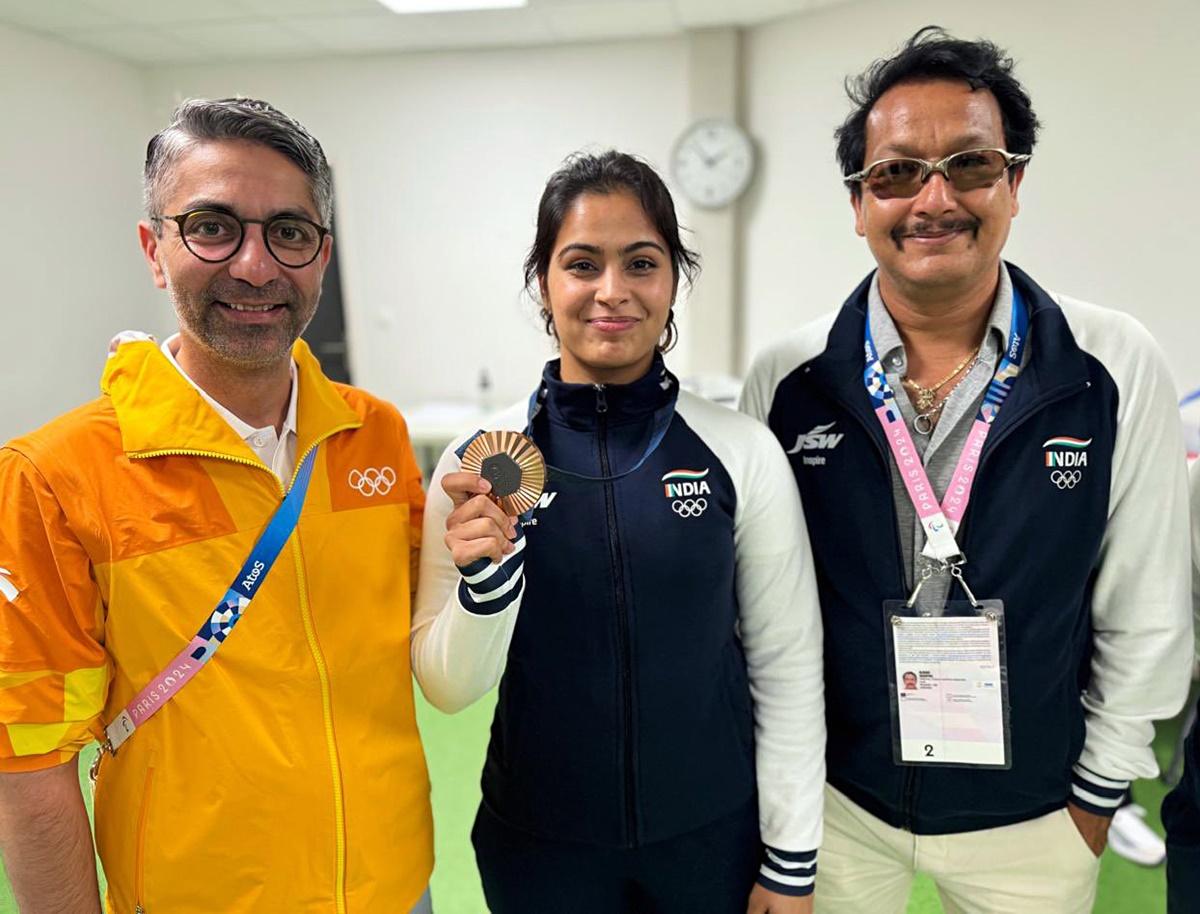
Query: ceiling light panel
[450,6]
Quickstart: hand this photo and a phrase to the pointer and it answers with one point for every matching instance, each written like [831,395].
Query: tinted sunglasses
[970,169]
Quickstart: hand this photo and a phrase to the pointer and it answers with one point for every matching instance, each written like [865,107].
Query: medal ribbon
[662,421]
[941,522]
[216,628]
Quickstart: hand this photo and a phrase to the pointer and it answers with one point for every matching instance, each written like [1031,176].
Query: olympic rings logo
[1066,479]
[689,507]
[372,481]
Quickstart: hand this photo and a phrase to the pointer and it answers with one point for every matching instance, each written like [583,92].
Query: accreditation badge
[513,465]
[949,684]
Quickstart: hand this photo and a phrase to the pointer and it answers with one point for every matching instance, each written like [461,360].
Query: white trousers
[424,905]
[1042,866]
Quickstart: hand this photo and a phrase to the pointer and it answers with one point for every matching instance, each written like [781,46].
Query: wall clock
[713,162]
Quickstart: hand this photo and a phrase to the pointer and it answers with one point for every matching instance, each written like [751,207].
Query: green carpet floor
[455,747]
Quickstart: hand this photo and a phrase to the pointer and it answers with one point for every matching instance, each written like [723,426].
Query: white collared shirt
[277,451]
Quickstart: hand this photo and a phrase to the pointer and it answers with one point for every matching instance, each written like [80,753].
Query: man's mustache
[277,291]
[935,227]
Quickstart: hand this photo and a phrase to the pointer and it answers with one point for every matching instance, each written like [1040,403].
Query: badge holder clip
[955,564]
[948,679]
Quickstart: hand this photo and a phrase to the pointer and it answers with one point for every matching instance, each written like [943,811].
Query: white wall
[439,161]
[1109,203]
[73,139]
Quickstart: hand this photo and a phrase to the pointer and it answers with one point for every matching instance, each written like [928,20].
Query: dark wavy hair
[607,173]
[932,53]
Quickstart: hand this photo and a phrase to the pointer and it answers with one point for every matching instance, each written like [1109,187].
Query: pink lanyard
[941,522]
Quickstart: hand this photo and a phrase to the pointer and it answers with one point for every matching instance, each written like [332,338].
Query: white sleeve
[1141,614]
[758,389]
[780,624]
[463,620]
[777,361]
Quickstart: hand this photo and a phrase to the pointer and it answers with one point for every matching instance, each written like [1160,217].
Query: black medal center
[503,473]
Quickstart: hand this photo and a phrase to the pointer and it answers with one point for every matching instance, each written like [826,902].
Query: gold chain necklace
[927,395]
[924,423]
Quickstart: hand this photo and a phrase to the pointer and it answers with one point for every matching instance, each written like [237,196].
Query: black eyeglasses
[214,235]
[970,169]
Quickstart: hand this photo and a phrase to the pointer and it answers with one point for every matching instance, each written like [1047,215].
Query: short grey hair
[203,119]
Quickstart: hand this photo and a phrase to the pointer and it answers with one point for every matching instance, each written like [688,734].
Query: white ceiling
[192,31]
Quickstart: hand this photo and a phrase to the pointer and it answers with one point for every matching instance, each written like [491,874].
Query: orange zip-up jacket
[288,775]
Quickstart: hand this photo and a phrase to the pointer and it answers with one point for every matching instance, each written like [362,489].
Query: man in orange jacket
[288,774]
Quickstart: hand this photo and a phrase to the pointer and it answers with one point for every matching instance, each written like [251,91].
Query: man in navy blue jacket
[993,481]
[1181,808]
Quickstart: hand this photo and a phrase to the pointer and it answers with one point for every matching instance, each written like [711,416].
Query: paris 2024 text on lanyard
[949,675]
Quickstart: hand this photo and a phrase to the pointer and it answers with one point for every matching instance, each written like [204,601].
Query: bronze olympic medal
[512,464]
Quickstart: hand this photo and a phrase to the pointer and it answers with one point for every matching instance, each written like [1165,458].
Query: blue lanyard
[270,544]
[661,423]
[216,628]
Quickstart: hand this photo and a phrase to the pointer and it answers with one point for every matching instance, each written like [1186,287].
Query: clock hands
[717,158]
[709,160]
[713,161]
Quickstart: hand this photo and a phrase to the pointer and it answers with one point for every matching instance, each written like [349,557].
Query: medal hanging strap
[662,422]
[941,521]
[216,628]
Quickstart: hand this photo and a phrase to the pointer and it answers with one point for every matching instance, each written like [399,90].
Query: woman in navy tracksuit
[658,738]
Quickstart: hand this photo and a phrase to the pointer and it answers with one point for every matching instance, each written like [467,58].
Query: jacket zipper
[189,452]
[912,773]
[139,857]
[623,646]
[908,788]
[314,647]
[339,809]
[339,805]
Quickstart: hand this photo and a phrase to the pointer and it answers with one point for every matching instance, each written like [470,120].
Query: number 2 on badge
[928,751]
